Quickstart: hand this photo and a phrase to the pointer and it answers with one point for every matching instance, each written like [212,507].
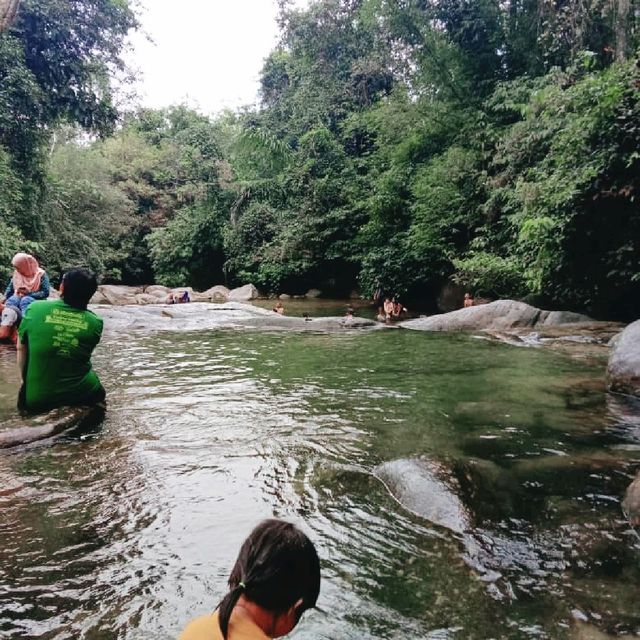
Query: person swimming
[275,579]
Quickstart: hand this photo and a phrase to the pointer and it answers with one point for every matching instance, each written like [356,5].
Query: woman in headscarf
[28,283]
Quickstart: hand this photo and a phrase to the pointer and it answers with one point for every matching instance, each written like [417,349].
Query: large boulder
[623,372]
[157,290]
[501,315]
[242,294]
[119,294]
[219,293]
[313,293]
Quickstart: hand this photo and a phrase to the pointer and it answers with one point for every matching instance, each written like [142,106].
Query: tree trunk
[8,13]
[622,16]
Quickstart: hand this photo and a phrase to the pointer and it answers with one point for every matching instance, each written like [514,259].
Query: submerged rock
[623,371]
[501,315]
[631,502]
[426,488]
[22,431]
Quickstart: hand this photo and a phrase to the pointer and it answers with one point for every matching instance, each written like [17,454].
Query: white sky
[207,53]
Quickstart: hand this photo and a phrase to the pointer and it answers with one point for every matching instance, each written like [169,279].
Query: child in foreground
[275,579]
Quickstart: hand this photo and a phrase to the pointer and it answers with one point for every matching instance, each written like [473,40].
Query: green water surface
[130,530]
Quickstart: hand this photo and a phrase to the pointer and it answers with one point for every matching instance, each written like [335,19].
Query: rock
[119,294]
[241,294]
[501,315]
[284,296]
[425,487]
[99,298]
[631,502]
[157,290]
[354,295]
[623,371]
[313,293]
[47,425]
[219,293]
[146,298]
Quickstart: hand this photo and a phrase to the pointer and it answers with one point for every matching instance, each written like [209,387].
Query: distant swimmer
[279,308]
[276,578]
[55,343]
[468,300]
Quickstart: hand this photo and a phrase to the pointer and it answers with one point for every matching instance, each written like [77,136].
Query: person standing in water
[28,283]
[55,342]
[275,579]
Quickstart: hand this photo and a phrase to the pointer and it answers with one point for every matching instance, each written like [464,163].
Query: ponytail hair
[277,566]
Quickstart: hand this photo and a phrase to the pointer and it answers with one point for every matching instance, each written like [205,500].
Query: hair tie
[242,585]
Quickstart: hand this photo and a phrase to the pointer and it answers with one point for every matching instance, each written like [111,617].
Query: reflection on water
[130,530]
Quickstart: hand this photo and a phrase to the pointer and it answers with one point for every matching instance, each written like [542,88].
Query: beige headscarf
[27,274]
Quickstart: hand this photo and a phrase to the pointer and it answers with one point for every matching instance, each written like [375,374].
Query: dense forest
[406,143]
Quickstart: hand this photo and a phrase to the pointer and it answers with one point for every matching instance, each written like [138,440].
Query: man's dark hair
[79,286]
[277,566]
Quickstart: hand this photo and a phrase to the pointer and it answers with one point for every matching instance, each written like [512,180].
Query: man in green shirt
[56,340]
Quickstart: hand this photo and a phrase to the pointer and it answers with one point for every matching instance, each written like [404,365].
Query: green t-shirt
[60,340]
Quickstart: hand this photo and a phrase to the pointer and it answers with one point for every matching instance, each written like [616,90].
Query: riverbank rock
[243,294]
[313,293]
[427,489]
[157,290]
[501,315]
[623,371]
[219,293]
[119,294]
[631,502]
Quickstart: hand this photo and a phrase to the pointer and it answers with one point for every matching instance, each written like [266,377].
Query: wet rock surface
[21,431]
[631,502]
[623,372]
[200,316]
[427,489]
[500,315]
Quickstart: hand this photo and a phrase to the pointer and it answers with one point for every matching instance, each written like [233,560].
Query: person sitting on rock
[388,308]
[468,300]
[29,282]
[275,579]
[55,342]
[279,308]
[398,308]
[9,320]
[184,297]
[349,317]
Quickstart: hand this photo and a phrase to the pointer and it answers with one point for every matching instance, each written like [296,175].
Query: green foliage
[490,275]
[398,143]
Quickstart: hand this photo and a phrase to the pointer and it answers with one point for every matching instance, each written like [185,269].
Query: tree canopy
[406,144]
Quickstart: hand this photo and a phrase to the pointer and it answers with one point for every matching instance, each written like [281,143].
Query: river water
[129,530]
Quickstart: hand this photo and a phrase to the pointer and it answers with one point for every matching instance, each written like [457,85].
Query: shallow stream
[130,530]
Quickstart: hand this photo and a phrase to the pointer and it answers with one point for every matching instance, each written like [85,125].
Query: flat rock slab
[201,316]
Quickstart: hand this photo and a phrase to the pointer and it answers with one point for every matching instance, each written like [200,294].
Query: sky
[207,53]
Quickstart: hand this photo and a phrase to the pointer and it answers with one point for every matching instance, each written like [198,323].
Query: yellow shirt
[208,628]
